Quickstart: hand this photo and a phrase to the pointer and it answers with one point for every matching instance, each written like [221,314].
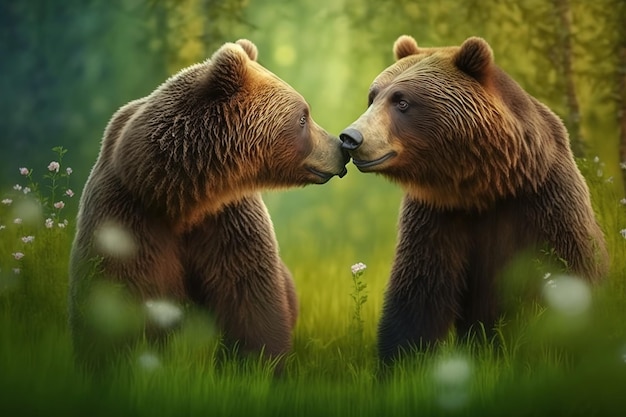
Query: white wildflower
[28,239]
[358,268]
[54,166]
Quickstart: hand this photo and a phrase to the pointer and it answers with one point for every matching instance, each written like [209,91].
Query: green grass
[540,363]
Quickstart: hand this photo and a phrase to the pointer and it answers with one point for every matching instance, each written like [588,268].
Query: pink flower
[18,255]
[24,171]
[59,205]
[54,166]
[69,193]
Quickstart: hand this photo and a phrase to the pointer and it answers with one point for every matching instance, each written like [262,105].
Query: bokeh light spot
[285,55]
[452,376]
[567,295]
[114,240]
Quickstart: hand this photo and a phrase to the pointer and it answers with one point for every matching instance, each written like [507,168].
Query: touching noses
[350,139]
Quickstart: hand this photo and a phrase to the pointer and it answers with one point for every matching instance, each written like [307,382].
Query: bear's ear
[228,69]
[404,46]
[249,47]
[474,57]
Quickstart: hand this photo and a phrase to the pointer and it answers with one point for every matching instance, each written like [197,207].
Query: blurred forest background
[67,66]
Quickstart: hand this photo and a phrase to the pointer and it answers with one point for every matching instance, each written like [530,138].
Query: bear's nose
[350,139]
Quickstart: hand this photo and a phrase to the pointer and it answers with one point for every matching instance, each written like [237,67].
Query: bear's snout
[351,139]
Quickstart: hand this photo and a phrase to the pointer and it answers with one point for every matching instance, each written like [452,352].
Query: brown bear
[172,208]
[488,175]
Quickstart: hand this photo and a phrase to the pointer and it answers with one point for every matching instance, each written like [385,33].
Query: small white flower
[547,275]
[17,271]
[623,233]
[54,166]
[49,223]
[18,255]
[623,201]
[610,180]
[69,193]
[358,267]
[2,227]
[622,165]
[596,159]
[68,170]
[17,220]
[59,205]
[24,171]
[17,187]
[26,190]
[599,172]
[28,239]
[61,225]
[7,201]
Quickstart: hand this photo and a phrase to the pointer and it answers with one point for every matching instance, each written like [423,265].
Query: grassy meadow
[565,358]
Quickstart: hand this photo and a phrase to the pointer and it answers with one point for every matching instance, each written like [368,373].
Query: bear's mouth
[366,165]
[325,176]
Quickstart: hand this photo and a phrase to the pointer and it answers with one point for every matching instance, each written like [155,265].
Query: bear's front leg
[422,300]
[236,273]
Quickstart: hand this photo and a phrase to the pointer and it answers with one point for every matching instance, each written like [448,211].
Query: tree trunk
[572,119]
[621,107]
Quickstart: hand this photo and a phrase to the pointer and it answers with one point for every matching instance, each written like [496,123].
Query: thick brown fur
[488,174]
[177,182]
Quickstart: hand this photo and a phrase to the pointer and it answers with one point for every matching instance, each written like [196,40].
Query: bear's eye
[403,105]
[302,121]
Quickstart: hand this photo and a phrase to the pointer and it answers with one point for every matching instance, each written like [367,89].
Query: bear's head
[451,127]
[219,130]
